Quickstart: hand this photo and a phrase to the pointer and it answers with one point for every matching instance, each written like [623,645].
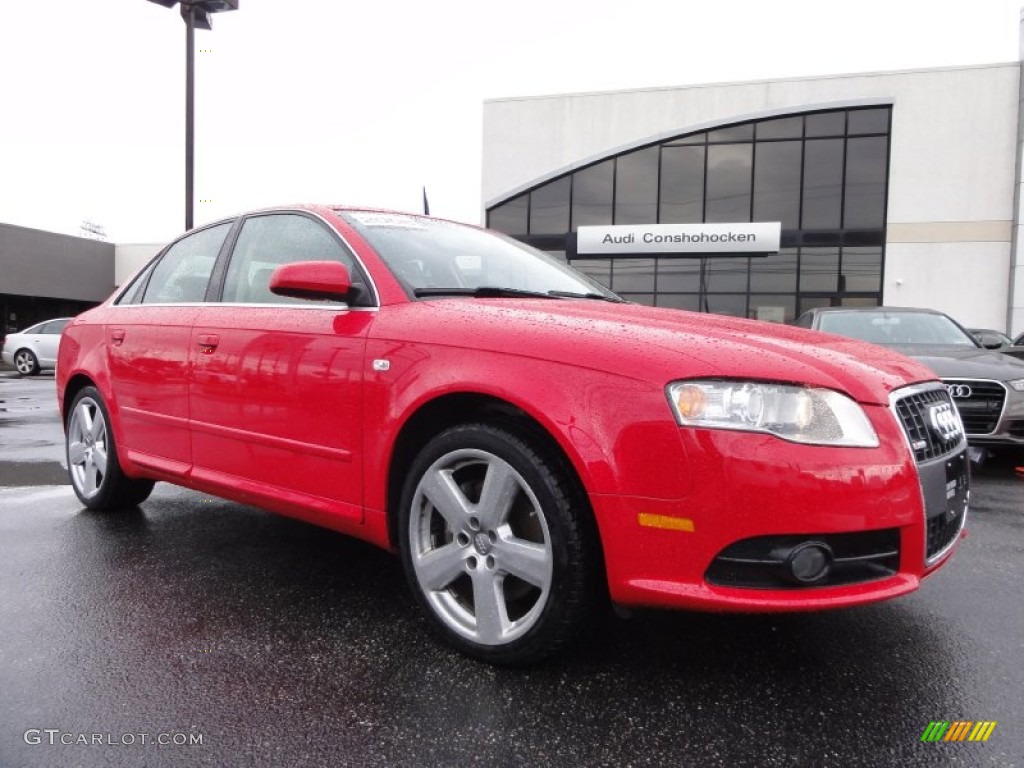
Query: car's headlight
[800,414]
[1017,384]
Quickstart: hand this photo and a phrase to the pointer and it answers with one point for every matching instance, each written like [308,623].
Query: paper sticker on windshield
[380,219]
[468,262]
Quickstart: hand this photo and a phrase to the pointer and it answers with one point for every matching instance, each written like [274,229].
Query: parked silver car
[34,349]
[987,387]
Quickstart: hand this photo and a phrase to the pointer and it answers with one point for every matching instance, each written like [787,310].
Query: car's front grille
[760,562]
[942,530]
[980,403]
[926,441]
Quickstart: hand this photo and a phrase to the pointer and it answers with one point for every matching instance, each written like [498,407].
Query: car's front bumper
[756,497]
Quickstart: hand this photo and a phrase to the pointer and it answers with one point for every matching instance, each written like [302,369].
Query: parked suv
[987,386]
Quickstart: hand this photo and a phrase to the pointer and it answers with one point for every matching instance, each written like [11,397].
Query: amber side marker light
[666,522]
[691,401]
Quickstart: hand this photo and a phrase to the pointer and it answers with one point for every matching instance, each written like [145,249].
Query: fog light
[809,562]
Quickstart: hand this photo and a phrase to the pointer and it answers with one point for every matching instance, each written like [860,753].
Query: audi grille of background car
[959,391]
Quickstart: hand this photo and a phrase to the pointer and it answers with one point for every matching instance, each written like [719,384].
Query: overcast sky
[366,102]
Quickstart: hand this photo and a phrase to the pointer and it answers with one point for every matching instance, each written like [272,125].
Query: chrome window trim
[304,307]
[1002,413]
[120,292]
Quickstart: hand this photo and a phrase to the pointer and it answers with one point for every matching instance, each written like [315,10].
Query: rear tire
[494,541]
[26,363]
[91,452]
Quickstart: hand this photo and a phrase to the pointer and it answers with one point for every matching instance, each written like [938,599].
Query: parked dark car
[987,386]
[999,341]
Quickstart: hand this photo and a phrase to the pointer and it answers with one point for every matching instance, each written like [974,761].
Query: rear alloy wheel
[26,363]
[96,474]
[492,546]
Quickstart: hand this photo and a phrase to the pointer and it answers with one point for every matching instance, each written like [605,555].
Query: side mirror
[324,280]
[990,343]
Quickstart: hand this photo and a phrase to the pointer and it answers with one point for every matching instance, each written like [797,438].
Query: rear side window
[265,243]
[53,327]
[183,273]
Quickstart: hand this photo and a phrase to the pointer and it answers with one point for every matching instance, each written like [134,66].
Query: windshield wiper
[484,291]
[589,295]
[494,291]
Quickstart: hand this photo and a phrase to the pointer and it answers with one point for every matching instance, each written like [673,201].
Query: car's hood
[961,361]
[655,344]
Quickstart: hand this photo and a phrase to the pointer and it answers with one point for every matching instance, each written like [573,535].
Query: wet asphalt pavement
[275,643]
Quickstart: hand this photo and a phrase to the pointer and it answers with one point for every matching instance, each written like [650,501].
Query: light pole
[196,13]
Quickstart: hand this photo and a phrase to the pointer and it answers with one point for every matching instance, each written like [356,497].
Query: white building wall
[129,258]
[952,173]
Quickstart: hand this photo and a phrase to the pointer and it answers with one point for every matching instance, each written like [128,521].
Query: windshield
[896,328]
[432,257]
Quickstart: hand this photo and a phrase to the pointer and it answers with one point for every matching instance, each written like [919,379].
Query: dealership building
[896,188]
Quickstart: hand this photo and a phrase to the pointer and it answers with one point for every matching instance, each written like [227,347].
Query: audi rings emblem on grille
[959,391]
[944,421]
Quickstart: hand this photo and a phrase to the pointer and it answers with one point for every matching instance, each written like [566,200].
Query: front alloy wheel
[492,546]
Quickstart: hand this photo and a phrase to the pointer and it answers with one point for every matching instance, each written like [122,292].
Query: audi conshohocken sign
[740,239]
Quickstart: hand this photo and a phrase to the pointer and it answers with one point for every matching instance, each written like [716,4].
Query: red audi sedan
[527,442]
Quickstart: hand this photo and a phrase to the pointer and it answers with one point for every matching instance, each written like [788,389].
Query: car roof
[921,310]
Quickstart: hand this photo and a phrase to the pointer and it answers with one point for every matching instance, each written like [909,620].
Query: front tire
[96,474]
[26,363]
[494,542]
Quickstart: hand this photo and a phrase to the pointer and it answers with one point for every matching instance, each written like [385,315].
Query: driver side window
[265,243]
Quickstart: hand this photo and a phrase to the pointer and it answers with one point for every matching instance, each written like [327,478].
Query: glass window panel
[549,208]
[510,217]
[864,205]
[687,301]
[599,269]
[727,304]
[774,309]
[775,272]
[819,269]
[729,182]
[682,185]
[743,132]
[636,187]
[693,138]
[813,302]
[862,270]
[777,182]
[859,301]
[592,194]
[632,275]
[823,183]
[640,298]
[782,128]
[183,272]
[868,121]
[726,274]
[825,124]
[265,243]
[679,275]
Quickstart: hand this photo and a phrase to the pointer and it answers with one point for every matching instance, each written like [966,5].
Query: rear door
[47,341]
[276,395]
[148,340]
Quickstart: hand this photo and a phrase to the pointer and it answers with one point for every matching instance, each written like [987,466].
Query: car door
[276,394]
[147,337]
[47,341]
